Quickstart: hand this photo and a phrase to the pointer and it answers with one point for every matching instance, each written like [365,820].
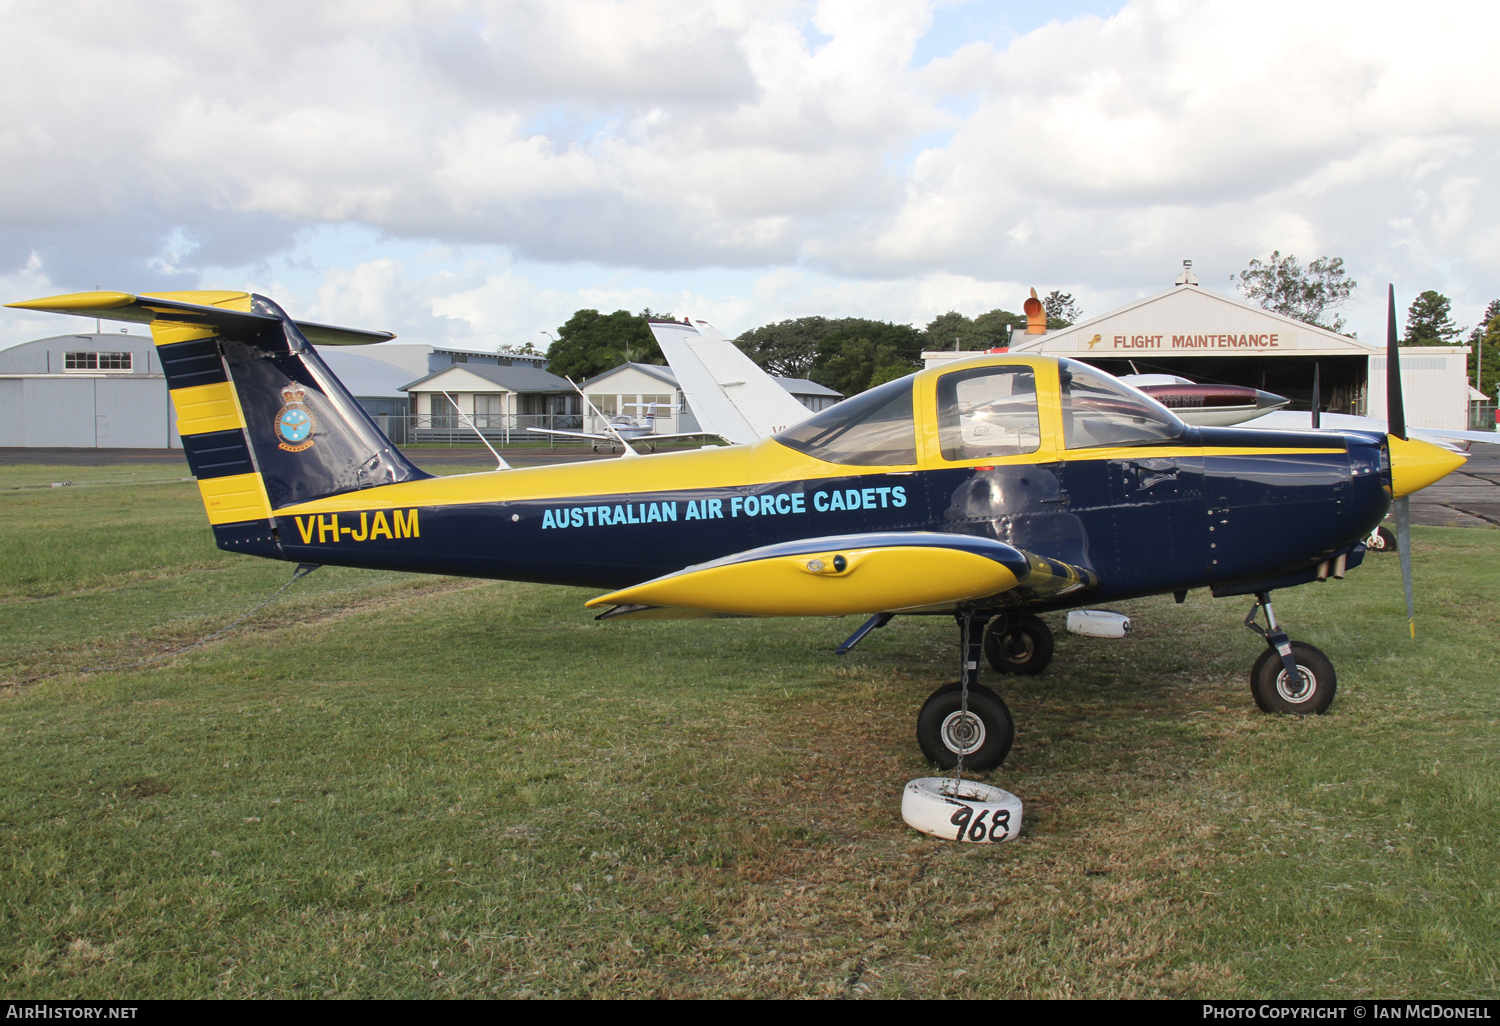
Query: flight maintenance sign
[1225,342]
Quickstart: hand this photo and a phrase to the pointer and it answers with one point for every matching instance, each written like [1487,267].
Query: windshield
[1099,410]
[988,411]
[872,429]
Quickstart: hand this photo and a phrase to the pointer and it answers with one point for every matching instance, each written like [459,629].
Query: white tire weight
[969,811]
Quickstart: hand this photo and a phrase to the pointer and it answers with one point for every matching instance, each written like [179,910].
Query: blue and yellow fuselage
[290,467]
[1217,506]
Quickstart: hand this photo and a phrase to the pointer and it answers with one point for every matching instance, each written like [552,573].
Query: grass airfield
[398,786]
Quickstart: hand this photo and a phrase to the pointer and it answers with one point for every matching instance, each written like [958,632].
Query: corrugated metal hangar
[1213,338]
[85,391]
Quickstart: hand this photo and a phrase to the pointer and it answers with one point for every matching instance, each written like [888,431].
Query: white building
[1210,337]
[99,390]
[632,387]
[500,401]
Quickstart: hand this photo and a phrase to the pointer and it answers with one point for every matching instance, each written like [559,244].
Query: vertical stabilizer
[265,423]
[729,394]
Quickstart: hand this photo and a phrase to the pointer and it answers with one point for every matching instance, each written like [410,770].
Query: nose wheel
[1018,644]
[1289,676]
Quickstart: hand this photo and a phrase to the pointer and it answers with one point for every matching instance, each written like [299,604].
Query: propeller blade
[1317,399]
[1403,548]
[1395,412]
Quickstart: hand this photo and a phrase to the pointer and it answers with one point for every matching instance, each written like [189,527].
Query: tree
[787,348]
[1061,308]
[1428,321]
[1308,294]
[997,326]
[1485,340]
[861,364]
[591,343]
[953,330]
[804,347]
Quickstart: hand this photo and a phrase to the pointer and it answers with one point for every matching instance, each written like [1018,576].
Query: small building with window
[634,389]
[502,402]
[99,390]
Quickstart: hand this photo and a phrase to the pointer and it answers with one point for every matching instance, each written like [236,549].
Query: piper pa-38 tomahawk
[991,489]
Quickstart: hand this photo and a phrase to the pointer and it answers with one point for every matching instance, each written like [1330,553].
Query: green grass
[391,785]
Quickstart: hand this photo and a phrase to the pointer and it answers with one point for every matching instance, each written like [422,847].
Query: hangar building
[85,391]
[1210,337]
[106,390]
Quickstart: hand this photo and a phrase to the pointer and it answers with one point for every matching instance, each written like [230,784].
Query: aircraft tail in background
[731,396]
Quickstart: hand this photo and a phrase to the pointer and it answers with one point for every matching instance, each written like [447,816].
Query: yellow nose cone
[1415,465]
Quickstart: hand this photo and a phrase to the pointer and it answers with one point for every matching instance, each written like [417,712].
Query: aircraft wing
[611,438]
[571,434]
[1285,420]
[839,575]
[729,394]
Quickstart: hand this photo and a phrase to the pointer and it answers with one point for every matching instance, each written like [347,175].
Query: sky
[470,172]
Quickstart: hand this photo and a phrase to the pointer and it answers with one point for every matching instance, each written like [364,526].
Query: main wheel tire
[1021,646]
[986,738]
[1313,694]
[1382,540]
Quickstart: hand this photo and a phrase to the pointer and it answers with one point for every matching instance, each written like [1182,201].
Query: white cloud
[152,146]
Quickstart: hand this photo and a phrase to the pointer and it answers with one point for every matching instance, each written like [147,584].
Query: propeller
[1317,400]
[1395,414]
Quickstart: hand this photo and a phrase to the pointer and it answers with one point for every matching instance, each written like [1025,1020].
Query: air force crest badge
[294,421]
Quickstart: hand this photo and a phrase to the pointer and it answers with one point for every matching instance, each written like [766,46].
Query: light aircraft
[990,489]
[622,427]
[1206,405]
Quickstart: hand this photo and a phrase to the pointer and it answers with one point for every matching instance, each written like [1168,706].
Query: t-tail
[264,422]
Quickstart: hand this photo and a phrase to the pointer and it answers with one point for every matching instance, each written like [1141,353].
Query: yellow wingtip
[76,301]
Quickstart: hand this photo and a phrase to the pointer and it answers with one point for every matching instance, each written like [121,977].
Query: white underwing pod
[1098,623]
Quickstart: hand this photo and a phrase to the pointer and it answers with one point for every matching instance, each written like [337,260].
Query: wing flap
[838,576]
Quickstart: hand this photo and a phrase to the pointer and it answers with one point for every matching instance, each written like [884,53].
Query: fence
[1482,416]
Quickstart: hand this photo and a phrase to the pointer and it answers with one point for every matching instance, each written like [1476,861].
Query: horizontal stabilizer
[227,312]
[847,574]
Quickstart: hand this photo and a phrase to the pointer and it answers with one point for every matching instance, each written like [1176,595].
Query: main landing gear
[1290,676]
[983,734]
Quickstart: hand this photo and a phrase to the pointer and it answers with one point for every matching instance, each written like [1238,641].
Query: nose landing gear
[1290,676]
[1019,644]
[983,735]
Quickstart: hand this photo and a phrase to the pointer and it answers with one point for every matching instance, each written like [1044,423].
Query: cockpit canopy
[873,429]
[1099,409]
[985,412]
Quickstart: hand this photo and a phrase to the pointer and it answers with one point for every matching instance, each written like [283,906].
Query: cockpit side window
[872,429]
[988,411]
[1099,411]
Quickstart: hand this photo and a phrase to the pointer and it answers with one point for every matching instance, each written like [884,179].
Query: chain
[303,569]
[963,696]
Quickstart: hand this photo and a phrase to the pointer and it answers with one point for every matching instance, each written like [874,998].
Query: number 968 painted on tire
[961,810]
